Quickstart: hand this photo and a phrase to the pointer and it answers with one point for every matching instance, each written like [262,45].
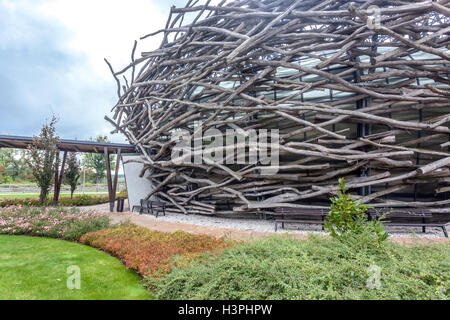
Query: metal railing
[33,188]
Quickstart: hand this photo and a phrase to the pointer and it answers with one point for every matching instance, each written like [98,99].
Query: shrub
[348,216]
[122,194]
[82,200]
[67,224]
[319,268]
[152,253]
[76,201]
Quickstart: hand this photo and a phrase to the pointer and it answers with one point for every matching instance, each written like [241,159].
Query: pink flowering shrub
[67,224]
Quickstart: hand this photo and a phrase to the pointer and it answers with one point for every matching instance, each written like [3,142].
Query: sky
[51,60]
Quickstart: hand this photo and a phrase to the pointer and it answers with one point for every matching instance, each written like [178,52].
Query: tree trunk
[43,197]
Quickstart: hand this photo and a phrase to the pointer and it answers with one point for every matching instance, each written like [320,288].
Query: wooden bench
[307,216]
[394,217]
[151,207]
[407,218]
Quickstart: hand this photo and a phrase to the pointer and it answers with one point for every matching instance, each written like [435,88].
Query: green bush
[60,223]
[319,268]
[76,201]
[349,216]
[82,200]
[122,194]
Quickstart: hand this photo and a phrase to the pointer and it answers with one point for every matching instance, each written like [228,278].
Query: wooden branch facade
[358,90]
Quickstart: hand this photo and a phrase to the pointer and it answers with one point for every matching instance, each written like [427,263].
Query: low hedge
[59,223]
[152,253]
[282,268]
[76,201]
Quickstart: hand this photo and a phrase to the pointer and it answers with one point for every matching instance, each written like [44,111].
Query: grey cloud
[39,76]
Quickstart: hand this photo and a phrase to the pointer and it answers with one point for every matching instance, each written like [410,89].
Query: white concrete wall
[137,188]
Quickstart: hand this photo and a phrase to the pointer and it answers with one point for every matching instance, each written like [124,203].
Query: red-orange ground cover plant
[152,253]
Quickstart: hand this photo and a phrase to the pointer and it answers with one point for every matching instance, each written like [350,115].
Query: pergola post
[109,180]
[116,173]
[58,178]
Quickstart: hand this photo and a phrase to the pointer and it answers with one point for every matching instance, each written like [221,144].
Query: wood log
[370,105]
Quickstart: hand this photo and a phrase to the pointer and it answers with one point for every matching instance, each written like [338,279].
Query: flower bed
[76,201]
[68,224]
[152,253]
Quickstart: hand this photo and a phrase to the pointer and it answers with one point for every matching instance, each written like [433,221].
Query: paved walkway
[167,226]
[153,223]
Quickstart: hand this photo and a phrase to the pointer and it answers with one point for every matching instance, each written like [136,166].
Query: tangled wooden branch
[358,90]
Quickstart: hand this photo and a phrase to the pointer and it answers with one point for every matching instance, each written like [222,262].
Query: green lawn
[36,269]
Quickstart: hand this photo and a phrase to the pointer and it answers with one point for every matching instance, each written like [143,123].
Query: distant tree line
[38,164]
[13,168]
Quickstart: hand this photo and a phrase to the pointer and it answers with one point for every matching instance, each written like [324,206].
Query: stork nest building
[358,90]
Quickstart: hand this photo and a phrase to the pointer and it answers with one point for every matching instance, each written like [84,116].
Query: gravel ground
[268,225]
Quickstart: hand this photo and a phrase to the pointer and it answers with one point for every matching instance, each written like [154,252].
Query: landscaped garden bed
[151,253]
[68,224]
[319,268]
[185,266]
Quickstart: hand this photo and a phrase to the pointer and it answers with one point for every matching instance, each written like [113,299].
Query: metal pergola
[65,146]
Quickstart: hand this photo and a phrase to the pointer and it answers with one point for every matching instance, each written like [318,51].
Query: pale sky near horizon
[51,60]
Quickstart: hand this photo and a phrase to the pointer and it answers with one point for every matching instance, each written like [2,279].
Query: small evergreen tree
[72,172]
[349,216]
[42,157]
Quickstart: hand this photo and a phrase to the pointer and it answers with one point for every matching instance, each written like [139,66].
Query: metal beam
[67,145]
[7,145]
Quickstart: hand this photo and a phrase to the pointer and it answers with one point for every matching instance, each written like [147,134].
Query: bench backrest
[401,213]
[390,213]
[301,211]
[152,204]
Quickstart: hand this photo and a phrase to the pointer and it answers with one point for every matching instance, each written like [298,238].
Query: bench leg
[276,226]
[424,230]
[282,225]
[445,231]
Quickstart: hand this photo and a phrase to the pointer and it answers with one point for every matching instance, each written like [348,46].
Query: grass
[324,269]
[36,269]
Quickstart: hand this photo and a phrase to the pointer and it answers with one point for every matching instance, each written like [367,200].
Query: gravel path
[255,226]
